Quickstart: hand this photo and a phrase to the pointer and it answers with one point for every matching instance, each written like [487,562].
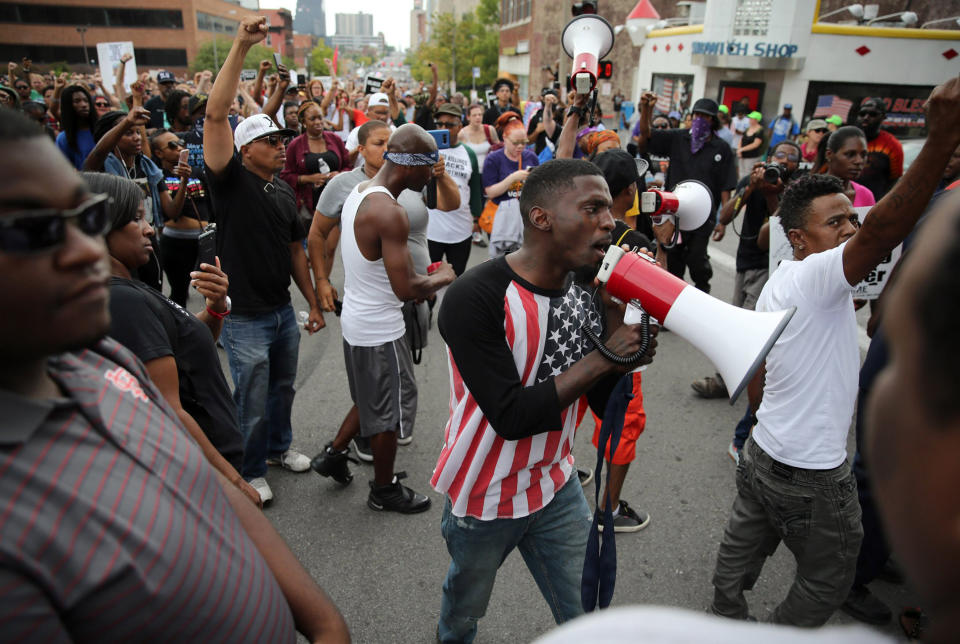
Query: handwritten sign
[109,54]
[868,289]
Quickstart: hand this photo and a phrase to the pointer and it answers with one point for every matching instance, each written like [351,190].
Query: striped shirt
[507,445]
[113,526]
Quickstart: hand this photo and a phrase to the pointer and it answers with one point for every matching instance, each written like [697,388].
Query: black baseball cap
[706,106]
[619,169]
[163,76]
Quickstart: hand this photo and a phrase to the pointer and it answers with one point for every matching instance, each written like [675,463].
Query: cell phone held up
[277,61]
[184,156]
[207,246]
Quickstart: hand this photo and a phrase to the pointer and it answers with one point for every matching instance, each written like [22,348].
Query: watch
[574,109]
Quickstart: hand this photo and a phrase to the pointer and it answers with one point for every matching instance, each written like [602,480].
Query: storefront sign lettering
[738,48]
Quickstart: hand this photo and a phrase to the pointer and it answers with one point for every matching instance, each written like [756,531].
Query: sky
[392,17]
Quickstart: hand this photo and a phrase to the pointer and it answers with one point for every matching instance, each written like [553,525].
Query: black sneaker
[629,520]
[396,497]
[333,463]
[863,605]
[362,446]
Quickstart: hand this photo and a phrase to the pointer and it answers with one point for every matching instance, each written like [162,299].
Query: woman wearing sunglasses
[816,130]
[844,156]
[177,348]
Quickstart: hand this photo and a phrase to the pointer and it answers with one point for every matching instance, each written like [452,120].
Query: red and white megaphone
[587,38]
[690,201]
[735,340]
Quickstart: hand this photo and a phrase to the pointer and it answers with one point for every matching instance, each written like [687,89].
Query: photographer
[758,198]
[544,128]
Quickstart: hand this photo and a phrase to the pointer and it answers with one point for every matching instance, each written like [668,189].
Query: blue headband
[412,158]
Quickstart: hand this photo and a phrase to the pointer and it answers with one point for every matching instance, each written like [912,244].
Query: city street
[384,571]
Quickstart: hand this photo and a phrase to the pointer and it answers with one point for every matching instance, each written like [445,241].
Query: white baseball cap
[255,127]
[378,99]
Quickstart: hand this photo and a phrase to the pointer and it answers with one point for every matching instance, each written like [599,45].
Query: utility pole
[83,43]
[453,73]
[216,59]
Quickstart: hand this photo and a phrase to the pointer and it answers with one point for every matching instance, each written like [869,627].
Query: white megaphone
[735,340]
[690,201]
[587,38]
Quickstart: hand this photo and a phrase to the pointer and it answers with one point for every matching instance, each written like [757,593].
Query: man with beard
[521,368]
[166,81]
[884,152]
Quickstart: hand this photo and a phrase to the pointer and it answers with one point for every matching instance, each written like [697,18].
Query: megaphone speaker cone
[696,204]
[587,33]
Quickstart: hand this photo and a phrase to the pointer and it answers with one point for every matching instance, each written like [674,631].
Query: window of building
[753,17]
[216,24]
[73,55]
[92,16]
[514,11]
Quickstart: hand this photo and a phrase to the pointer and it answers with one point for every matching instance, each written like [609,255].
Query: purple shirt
[497,167]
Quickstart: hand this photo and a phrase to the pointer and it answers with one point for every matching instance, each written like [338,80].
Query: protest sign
[109,54]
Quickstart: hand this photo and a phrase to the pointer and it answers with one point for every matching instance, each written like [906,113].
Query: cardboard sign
[371,84]
[868,289]
[248,74]
[108,54]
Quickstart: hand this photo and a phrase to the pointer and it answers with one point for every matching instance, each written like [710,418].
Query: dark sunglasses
[272,139]
[780,154]
[19,87]
[662,126]
[821,130]
[869,113]
[44,229]
[448,124]
[177,144]
[102,104]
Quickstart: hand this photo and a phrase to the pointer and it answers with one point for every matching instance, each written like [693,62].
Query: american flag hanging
[832,106]
[665,96]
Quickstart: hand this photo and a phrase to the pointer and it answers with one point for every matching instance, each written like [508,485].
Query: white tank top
[371,310]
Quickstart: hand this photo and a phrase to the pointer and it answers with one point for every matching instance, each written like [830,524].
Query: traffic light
[605,69]
[586,6]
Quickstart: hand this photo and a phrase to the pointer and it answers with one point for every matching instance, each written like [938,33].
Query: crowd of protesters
[116,398]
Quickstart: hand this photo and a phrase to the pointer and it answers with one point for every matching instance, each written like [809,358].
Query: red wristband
[219,316]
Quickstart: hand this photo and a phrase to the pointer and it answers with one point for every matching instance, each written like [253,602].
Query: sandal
[710,387]
[914,622]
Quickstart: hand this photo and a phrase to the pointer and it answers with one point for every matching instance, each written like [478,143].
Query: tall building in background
[354,24]
[310,18]
[418,24]
[457,7]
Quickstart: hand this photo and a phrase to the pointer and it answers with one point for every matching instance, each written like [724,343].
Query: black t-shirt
[156,106]
[713,165]
[541,141]
[152,327]
[492,114]
[197,204]
[624,234]
[747,140]
[320,162]
[755,212]
[256,223]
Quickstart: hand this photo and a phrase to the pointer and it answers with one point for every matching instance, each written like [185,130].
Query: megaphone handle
[616,357]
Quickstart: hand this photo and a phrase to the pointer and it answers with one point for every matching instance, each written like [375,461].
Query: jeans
[262,350]
[552,541]
[742,430]
[814,512]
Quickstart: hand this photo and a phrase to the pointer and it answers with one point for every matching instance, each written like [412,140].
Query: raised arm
[448,192]
[272,106]
[571,125]
[892,219]
[217,135]
[258,82]
[95,160]
[647,101]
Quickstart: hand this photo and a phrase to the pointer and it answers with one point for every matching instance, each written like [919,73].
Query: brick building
[303,44]
[279,30]
[167,35]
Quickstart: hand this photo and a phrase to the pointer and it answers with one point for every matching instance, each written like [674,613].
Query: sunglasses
[662,126]
[20,87]
[177,144]
[783,155]
[102,104]
[869,113]
[44,229]
[821,130]
[449,125]
[272,139]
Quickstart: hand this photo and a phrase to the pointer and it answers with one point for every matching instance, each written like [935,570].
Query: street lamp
[83,43]
[855,9]
[908,18]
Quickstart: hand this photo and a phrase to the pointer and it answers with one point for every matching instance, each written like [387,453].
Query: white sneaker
[260,485]
[291,460]
[404,441]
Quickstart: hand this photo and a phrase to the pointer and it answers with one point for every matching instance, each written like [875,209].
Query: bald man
[378,277]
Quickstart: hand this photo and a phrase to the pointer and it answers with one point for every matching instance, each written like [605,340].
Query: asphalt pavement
[384,571]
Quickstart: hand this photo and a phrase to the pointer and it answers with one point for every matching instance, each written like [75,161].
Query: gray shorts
[747,286]
[382,387]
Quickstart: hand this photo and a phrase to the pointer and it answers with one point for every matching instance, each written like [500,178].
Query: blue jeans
[262,350]
[552,541]
[742,432]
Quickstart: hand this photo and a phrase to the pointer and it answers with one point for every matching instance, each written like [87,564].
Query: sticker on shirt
[125,382]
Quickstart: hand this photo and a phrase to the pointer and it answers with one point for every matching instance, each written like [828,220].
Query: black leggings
[179,258]
[457,254]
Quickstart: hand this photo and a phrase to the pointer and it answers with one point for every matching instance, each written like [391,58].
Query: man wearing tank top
[379,276]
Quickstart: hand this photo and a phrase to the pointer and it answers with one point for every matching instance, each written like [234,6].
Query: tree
[207,58]
[318,57]
[457,46]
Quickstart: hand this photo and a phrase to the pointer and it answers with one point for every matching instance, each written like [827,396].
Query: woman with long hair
[504,172]
[77,118]
[177,348]
[844,156]
[476,135]
[313,158]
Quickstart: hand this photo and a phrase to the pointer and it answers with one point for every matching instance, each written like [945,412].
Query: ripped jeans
[815,513]
[552,542]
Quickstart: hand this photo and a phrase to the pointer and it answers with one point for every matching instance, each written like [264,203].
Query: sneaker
[333,463]
[585,475]
[710,387]
[863,605]
[629,520]
[733,453]
[291,460]
[260,485]
[396,497]
[404,441]
[362,446]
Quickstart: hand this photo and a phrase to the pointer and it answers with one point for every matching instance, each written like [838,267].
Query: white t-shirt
[456,225]
[811,385]
[347,121]
[353,139]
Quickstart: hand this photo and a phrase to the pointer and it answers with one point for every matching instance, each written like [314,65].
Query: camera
[773,172]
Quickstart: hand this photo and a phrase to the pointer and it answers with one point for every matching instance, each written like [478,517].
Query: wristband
[573,109]
[219,316]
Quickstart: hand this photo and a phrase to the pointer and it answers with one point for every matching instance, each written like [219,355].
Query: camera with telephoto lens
[773,172]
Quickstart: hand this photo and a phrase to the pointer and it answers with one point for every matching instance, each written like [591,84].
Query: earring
[801,247]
